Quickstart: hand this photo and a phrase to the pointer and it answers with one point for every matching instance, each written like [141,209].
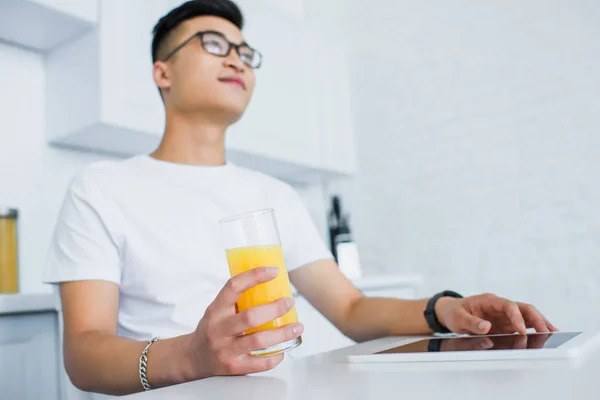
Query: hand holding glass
[252,241]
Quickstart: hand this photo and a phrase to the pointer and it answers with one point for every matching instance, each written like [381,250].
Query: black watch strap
[429,313]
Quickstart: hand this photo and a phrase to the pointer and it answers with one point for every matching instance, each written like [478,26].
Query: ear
[161,75]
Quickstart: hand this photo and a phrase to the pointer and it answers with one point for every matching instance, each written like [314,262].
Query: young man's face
[194,80]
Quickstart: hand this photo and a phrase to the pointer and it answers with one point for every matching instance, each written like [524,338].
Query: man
[138,254]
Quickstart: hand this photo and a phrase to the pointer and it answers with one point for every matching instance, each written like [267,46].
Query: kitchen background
[476,128]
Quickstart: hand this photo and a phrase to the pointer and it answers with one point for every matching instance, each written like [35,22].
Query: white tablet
[485,347]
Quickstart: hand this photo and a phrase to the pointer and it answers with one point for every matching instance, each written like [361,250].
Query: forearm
[101,362]
[372,318]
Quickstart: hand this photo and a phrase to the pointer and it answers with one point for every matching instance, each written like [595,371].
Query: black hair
[225,9]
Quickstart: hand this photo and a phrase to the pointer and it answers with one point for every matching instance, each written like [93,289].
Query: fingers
[514,315]
[246,364]
[253,364]
[550,326]
[533,318]
[509,309]
[256,316]
[472,324]
[262,340]
[238,284]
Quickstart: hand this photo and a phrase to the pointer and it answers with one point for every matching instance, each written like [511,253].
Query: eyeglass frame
[232,45]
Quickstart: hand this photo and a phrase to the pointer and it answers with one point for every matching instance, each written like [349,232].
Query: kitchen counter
[327,376]
[27,303]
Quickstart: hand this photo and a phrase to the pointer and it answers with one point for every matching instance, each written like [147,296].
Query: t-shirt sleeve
[301,241]
[85,243]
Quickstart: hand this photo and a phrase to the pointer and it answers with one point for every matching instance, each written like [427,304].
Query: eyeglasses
[216,43]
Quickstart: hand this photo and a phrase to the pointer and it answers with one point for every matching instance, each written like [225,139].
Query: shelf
[43,25]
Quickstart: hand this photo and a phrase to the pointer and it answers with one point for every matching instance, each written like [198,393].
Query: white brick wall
[479,144]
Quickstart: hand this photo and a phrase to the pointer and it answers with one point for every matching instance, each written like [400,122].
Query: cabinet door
[335,119]
[129,97]
[280,121]
[29,352]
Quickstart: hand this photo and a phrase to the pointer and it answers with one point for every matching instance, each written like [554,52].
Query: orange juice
[246,258]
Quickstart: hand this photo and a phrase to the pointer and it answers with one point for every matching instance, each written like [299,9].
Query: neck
[194,141]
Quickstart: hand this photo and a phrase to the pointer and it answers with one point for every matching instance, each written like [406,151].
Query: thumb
[473,324]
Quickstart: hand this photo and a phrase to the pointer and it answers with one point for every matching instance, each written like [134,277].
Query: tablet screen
[486,342]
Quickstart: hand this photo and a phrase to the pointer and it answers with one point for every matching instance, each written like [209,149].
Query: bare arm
[362,318]
[358,317]
[96,359]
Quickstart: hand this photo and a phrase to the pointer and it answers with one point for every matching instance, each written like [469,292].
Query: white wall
[478,141]
[33,176]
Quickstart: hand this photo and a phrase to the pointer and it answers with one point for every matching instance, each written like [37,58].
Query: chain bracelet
[144,365]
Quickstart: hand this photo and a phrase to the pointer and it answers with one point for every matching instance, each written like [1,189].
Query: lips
[234,80]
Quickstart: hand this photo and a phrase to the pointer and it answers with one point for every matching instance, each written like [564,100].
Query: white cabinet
[320,335]
[30,365]
[280,122]
[42,25]
[100,92]
[331,80]
[129,98]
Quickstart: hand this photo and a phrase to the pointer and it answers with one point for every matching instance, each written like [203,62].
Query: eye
[247,55]
[247,58]
[214,46]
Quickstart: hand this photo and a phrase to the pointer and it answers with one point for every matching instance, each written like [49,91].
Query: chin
[233,112]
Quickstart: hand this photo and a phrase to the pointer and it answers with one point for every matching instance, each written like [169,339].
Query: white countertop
[27,303]
[328,377]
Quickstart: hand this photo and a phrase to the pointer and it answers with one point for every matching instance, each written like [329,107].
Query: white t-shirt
[152,227]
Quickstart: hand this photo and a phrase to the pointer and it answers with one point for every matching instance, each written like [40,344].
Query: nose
[233,61]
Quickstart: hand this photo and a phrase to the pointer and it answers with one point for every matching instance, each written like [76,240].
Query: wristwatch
[429,313]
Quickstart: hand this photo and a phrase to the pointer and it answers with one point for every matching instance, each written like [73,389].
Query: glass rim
[246,215]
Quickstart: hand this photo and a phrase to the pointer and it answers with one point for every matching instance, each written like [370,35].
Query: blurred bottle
[9,279]
[342,244]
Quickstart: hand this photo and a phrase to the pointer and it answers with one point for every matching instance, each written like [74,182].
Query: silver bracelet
[144,365]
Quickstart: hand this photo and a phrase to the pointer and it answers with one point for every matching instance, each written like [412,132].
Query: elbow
[349,326]
[358,338]
[77,377]
[78,370]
